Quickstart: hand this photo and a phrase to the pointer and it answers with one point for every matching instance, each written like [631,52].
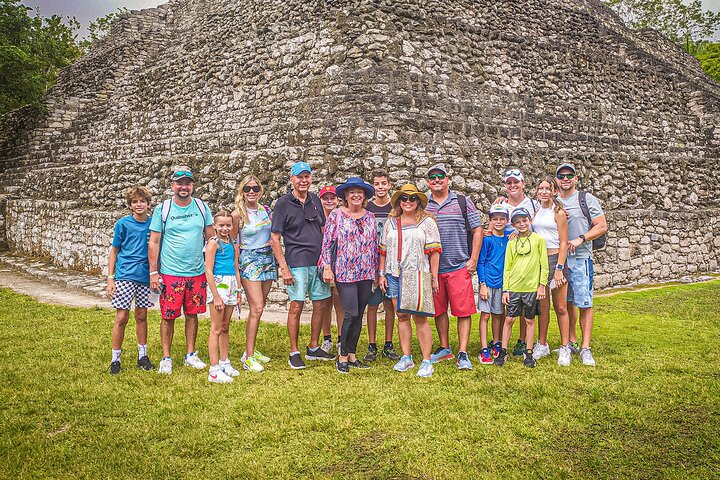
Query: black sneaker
[359,365]
[342,367]
[529,360]
[296,362]
[145,364]
[500,359]
[115,367]
[318,354]
[389,352]
[371,354]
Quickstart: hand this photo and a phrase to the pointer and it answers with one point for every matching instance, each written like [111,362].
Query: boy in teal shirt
[524,282]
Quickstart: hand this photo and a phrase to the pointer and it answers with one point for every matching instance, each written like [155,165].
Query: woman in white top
[551,223]
[251,227]
[420,251]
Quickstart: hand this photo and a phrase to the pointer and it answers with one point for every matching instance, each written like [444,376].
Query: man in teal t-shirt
[178,231]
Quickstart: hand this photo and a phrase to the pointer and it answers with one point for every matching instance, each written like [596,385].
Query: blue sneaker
[426,369]
[441,353]
[404,364]
[463,362]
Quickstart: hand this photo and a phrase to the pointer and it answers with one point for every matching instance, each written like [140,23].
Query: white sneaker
[564,356]
[540,351]
[192,360]
[326,346]
[165,366]
[253,365]
[227,368]
[586,357]
[217,375]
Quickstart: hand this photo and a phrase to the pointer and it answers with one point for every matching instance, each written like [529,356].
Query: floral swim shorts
[186,293]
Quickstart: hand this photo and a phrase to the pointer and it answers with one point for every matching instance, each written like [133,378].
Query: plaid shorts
[126,291]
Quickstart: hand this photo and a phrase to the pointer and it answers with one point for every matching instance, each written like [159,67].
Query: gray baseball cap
[565,165]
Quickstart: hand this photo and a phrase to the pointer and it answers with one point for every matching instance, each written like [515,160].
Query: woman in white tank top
[551,223]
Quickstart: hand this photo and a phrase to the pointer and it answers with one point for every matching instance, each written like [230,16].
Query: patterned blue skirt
[258,265]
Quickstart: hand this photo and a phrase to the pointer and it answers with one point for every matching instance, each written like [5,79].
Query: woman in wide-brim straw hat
[354,268]
[420,251]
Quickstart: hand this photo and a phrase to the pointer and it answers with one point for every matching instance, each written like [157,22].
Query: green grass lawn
[650,409]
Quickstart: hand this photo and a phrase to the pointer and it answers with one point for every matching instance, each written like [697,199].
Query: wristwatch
[560,267]
[583,238]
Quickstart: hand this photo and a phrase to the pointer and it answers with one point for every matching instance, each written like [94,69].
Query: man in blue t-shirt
[179,228]
[579,262]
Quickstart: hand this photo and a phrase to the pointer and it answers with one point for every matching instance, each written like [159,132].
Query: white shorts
[227,287]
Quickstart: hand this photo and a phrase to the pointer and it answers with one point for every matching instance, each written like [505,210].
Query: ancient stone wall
[233,88]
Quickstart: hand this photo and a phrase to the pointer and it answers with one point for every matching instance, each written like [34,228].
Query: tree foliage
[686,24]
[100,28]
[32,50]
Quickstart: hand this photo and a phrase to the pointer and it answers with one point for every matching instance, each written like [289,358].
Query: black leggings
[354,297]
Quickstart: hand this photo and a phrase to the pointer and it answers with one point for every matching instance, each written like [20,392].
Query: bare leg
[118,332]
[191,329]
[523,333]
[442,324]
[256,301]
[507,330]
[544,320]
[464,327]
[404,330]
[497,326]
[216,321]
[572,317]
[225,333]
[560,303]
[293,324]
[140,325]
[586,324]
[484,317]
[424,334]
[389,319]
[327,323]
[318,313]
[167,330]
[530,332]
[372,311]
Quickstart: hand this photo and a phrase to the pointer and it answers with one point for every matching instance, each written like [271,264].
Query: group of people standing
[354,247]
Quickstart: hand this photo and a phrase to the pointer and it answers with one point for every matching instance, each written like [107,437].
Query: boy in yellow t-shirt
[524,282]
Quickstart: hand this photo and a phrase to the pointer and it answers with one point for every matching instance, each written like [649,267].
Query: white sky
[88,10]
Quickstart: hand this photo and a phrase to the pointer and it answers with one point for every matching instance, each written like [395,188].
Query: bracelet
[111,276]
[381,273]
[154,273]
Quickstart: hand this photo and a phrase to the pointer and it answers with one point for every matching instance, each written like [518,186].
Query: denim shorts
[393,286]
[581,272]
[307,284]
[377,297]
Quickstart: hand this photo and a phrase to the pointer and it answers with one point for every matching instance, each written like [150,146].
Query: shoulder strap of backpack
[582,200]
[462,201]
[165,213]
[201,206]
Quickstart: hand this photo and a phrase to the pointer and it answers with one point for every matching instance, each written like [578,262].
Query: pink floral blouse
[357,247]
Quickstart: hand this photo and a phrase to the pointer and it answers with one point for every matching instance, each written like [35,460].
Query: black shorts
[524,304]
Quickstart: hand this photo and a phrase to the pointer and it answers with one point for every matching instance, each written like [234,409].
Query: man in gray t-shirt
[579,260]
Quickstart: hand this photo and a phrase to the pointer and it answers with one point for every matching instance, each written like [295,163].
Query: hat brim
[421,196]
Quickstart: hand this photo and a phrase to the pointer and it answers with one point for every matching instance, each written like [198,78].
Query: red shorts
[458,288]
[187,293]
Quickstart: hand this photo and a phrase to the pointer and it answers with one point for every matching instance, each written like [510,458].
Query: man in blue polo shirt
[299,219]
[456,262]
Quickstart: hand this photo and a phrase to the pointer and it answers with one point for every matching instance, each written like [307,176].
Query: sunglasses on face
[253,188]
[408,198]
[563,176]
[436,176]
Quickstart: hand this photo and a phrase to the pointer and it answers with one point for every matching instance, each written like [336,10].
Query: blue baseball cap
[300,167]
[520,212]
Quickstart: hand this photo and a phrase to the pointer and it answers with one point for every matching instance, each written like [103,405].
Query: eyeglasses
[359,225]
[315,217]
[563,176]
[408,198]
[253,188]
[523,247]
[436,176]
